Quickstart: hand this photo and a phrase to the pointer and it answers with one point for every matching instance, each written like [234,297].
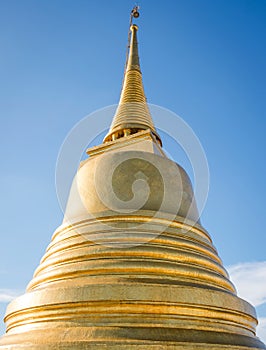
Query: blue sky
[204,60]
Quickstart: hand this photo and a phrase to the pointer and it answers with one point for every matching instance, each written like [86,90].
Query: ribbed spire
[132,114]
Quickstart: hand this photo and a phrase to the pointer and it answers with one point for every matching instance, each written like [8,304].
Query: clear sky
[204,60]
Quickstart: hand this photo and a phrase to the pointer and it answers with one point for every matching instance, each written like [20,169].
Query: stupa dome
[128,181]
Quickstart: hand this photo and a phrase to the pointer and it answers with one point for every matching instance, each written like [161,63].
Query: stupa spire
[132,114]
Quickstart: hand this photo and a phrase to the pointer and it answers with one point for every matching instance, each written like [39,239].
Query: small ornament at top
[135,12]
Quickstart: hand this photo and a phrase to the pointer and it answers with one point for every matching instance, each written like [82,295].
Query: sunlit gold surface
[143,279]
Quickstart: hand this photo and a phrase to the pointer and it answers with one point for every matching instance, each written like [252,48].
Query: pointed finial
[133,57]
[134,14]
[132,114]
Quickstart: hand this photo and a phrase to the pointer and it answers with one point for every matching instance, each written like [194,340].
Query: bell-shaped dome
[128,181]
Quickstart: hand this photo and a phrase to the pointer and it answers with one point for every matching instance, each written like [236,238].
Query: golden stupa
[130,268]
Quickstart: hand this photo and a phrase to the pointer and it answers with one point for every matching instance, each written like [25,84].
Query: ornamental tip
[134,12]
[134,27]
